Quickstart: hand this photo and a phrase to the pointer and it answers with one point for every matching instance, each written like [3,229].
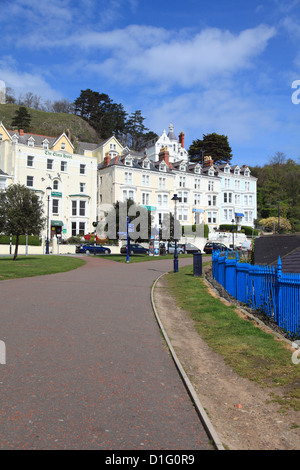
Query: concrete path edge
[194,397]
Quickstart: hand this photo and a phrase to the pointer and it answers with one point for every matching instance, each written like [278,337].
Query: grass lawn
[36,265]
[250,351]
[138,258]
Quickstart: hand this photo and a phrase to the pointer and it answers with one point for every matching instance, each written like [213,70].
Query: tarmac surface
[86,365]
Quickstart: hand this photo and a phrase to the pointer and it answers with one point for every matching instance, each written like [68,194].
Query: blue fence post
[278,289]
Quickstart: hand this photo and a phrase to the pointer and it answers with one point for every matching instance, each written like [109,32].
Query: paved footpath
[86,365]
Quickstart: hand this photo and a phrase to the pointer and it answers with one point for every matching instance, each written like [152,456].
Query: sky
[227,67]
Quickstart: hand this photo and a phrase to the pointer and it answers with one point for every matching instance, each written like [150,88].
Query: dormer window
[146,164]
[211,172]
[236,171]
[128,162]
[197,170]
[15,139]
[30,142]
[45,144]
[247,173]
[227,169]
[162,166]
[182,168]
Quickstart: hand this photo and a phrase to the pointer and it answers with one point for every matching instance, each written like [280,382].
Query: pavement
[86,365]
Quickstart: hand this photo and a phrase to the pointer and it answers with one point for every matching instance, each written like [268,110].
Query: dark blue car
[135,248]
[90,249]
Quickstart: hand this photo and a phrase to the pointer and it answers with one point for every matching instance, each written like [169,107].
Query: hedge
[33,240]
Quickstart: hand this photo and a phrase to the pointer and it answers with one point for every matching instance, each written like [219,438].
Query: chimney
[21,132]
[164,155]
[208,161]
[181,139]
[107,159]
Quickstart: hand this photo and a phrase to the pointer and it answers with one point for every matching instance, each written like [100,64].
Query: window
[246,200]
[237,199]
[55,205]
[145,199]
[82,187]
[182,167]
[228,197]
[183,196]
[162,183]
[197,199]
[237,184]
[210,185]
[225,214]
[197,183]
[127,177]
[128,162]
[82,208]
[250,200]
[73,229]
[82,169]
[74,207]
[55,185]
[247,173]
[146,164]
[81,228]
[247,186]
[1,137]
[29,181]
[63,166]
[30,160]
[227,169]
[45,144]
[182,181]
[212,217]
[182,214]
[49,164]
[63,146]
[145,180]
[227,183]
[212,200]
[30,142]
[128,194]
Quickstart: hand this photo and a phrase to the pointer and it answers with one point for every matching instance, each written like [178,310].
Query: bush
[33,240]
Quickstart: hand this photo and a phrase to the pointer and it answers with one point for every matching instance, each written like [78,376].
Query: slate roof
[268,248]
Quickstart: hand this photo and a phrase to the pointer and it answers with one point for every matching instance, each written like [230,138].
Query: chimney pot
[21,132]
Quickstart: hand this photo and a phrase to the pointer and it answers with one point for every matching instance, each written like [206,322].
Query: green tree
[136,131]
[21,213]
[214,145]
[22,119]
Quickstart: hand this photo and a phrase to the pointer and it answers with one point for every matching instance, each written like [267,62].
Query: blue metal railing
[264,288]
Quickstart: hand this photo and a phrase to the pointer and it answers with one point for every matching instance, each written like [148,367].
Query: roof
[268,248]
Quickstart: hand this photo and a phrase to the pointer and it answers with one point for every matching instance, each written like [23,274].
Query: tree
[22,119]
[136,130]
[214,145]
[271,224]
[21,213]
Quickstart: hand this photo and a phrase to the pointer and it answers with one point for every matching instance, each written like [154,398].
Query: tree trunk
[16,247]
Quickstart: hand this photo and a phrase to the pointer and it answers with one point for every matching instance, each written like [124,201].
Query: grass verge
[36,265]
[251,352]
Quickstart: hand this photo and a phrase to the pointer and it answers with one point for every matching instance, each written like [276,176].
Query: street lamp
[233,233]
[48,203]
[175,198]
[278,200]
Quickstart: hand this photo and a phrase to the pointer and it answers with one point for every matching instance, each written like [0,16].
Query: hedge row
[33,240]
[244,229]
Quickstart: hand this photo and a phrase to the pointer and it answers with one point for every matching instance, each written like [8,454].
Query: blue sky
[225,67]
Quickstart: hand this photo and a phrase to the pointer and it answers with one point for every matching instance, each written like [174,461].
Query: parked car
[246,245]
[210,246]
[171,248]
[135,248]
[189,248]
[90,249]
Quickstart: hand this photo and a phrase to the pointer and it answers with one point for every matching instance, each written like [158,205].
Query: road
[86,365]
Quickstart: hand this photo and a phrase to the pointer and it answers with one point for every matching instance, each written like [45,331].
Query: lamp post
[233,233]
[48,203]
[278,200]
[175,198]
